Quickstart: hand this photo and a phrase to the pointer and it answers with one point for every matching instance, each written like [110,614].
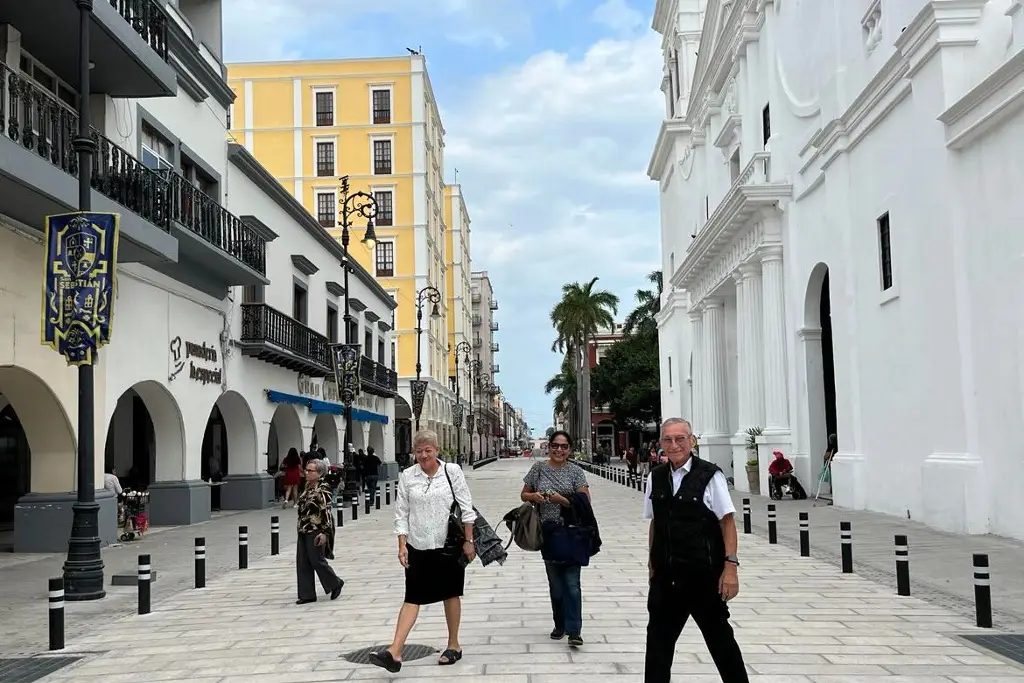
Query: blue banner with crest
[79,283]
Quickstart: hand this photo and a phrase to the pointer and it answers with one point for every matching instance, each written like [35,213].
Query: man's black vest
[687,535]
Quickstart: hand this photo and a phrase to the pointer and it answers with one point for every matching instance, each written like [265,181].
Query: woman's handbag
[567,544]
[456,536]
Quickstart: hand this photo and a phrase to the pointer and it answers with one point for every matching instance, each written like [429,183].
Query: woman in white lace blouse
[433,573]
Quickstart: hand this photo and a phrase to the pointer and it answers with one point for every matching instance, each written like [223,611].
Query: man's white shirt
[716,493]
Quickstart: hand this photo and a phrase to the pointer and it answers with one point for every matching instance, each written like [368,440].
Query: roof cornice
[670,129]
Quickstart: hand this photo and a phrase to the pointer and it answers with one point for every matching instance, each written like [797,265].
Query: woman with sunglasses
[315,542]
[551,484]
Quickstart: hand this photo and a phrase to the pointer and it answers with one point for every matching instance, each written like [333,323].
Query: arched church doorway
[146,421]
[15,463]
[820,369]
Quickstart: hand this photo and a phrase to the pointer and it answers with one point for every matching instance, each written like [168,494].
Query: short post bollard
[376,498]
[56,598]
[366,509]
[902,565]
[243,547]
[275,536]
[773,530]
[746,515]
[846,543]
[200,562]
[355,509]
[341,516]
[387,493]
[982,591]
[805,535]
[145,586]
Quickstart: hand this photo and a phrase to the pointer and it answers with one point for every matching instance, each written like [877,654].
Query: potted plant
[753,471]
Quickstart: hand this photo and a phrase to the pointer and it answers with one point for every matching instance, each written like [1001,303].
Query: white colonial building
[841,233]
[183,395]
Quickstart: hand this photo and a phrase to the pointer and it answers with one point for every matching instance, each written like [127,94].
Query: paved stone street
[798,620]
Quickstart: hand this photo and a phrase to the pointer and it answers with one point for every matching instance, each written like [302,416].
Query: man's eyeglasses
[311,470]
[677,440]
[558,446]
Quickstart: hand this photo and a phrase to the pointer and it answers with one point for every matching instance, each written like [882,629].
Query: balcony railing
[48,126]
[202,215]
[304,349]
[494,326]
[478,342]
[494,304]
[149,21]
[377,378]
[494,347]
[477,320]
[495,369]
[476,296]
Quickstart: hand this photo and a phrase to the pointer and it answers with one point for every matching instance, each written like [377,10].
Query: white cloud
[618,15]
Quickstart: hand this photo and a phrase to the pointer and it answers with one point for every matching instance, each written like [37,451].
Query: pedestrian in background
[315,542]
[292,468]
[434,555]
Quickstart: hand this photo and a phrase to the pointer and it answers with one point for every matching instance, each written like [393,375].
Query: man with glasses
[693,563]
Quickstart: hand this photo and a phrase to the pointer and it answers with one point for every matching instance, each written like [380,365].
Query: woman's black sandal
[451,655]
[385,660]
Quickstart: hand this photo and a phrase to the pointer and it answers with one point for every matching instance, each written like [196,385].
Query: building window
[885,250]
[325,158]
[385,207]
[199,178]
[253,294]
[670,372]
[325,108]
[382,157]
[382,106]
[46,79]
[353,332]
[394,354]
[157,151]
[385,259]
[380,351]
[325,212]
[766,124]
[368,343]
[332,323]
[299,301]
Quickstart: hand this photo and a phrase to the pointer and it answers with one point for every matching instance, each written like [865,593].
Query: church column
[775,373]
[742,359]
[715,348]
[696,373]
[754,350]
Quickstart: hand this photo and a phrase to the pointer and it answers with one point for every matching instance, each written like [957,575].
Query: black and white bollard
[805,535]
[243,547]
[773,529]
[145,585]
[366,509]
[355,509]
[200,562]
[846,546]
[376,498]
[341,516]
[387,493]
[275,536]
[902,565]
[56,598]
[982,591]
[746,515]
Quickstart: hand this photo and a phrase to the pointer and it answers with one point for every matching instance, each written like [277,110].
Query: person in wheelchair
[780,470]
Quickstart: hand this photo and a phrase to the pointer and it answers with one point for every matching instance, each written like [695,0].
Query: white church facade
[842,243]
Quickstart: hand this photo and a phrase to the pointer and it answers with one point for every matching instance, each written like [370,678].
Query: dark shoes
[304,601]
[386,661]
[575,641]
[337,591]
[449,657]
[557,634]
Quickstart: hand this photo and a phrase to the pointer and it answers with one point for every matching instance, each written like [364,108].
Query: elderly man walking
[693,563]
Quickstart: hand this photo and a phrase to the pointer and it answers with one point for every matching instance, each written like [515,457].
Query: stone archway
[403,429]
[38,456]
[325,432]
[820,365]
[377,440]
[285,434]
[230,455]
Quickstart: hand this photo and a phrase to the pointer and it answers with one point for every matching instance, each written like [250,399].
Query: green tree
[645,315]
[582,312]
[548,432]
[563,385]
[628,380]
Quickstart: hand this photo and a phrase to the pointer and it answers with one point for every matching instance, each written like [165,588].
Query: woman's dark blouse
[314,508]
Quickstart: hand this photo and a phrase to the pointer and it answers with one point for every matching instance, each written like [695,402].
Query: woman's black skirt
[432,576]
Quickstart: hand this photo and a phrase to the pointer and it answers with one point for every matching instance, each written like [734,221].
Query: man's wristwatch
[733,559]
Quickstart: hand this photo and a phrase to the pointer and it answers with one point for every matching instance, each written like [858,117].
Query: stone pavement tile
[798,620]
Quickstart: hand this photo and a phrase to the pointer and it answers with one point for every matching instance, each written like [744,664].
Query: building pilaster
[753,321]
[742,358]
[696,373]
[775,364]
[715,349]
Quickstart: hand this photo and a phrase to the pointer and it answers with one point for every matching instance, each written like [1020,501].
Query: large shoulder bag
[456,536]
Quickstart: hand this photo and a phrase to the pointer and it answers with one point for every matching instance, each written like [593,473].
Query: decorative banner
[419,392]
[345,358]
[457,415]
[79,283]
[469,422]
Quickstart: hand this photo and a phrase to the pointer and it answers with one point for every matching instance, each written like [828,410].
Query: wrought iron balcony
[495,369]
[149,21]
[476,297]
[495,347]
[477,342]
[494,304]
[271,336]
[477,320]
[494,326]
[376,378]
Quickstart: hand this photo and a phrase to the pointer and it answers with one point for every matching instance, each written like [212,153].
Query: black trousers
[311,563]
[673,600]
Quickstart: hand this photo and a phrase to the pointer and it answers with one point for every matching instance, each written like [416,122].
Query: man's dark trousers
[671,601]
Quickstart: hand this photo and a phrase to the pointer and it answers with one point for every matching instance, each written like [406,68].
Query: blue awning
[318,406]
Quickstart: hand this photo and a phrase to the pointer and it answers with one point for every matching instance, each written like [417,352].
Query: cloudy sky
[551,108]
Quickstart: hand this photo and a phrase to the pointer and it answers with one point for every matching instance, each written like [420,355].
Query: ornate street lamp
[474,370]
[464,348]
[419,387]
[346,356]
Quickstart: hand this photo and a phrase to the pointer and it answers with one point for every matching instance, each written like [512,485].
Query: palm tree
[564,386]
[644,316]
[577,318]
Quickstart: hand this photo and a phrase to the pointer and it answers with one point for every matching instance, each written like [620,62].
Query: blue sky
[551,108]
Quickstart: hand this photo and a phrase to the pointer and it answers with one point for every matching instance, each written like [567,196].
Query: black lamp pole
[433,295]
[83,568]
[485,387]
[464,348]
[474,369]
[352,204]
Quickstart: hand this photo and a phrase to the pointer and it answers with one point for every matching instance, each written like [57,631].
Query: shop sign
[198,357]
[324,389]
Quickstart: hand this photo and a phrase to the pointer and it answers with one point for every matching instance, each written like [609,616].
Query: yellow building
[457,292]
[376,121]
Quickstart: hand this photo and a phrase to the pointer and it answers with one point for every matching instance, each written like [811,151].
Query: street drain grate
[362,656]
[1009,645]
[30,669]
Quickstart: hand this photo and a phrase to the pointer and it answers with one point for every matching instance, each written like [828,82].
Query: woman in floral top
[315,543]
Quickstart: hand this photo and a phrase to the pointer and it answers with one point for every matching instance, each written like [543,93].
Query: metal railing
[148,19]
[494,326]
[477,320]
[495,347]
[478,342]
[377,375]
[494,304]
[476,297]
[264,324]
[495,369]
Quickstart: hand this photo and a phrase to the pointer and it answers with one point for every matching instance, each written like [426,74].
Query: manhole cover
[30,669]
[362,656]
[1010,645]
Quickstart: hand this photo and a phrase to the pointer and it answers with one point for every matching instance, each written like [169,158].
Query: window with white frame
[384,200]
[380,99]
[326,211]
[157,151]
[324,104]
[384,259]
[325,155]
[382,156]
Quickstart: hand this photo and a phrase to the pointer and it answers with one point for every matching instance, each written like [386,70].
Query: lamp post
[462,347]
[484,381]
[419,387]
[474,369]
[83,568]
[352,205]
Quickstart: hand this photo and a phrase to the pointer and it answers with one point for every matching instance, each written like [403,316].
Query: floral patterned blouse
[314,508]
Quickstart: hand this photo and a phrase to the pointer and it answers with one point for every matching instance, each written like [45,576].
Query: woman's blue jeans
[566,598]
